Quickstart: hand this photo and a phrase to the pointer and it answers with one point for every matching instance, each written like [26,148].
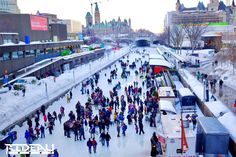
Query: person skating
[23,91]
[56,154]
[27,137]
[68,98]
[141,128]
[76,133]
[103,138]
[54,115]
[42,131]
[108,137]
[71,95]
[50,127]
[59,117]
[92,131]
[37,132]
[118,129]
[221,83]
[81,133]
[89,144]
[124,128]
[154,140]
[136,128]
[94,143]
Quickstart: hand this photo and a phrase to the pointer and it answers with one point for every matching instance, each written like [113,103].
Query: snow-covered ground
[130,145]
[14,106]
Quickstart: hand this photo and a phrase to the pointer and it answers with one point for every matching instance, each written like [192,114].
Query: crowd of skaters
[111,110]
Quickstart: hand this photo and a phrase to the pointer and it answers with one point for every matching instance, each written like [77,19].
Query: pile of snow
[217,108]
[195,85]
[228,120]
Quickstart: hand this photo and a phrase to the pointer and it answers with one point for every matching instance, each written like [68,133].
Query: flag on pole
[184,144]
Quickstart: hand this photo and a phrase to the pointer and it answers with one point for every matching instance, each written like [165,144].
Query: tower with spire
[97,14]
[178,6]
[89,19]
[213,5]
[129,22]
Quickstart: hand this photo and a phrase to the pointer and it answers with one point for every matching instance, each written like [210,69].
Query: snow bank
[195,85]
[228,120]
[217,107]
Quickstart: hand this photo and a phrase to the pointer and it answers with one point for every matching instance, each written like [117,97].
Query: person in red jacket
[94,143]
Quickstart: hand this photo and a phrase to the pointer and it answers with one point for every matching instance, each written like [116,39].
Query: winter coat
[103,136]
[45,118]
[108,137]
[94,143]
[124,127]
[56,154]
[27,134]
[89,143]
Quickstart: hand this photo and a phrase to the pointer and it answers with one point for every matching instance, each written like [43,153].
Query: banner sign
[38,23]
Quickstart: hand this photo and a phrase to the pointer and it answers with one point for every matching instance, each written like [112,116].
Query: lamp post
[46,90]
[74,75]
[90,67]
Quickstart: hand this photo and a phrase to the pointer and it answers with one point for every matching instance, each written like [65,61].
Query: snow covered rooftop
[172,127]
[185,92]
[167,106]
[160,62]
[155,56]
[166,92]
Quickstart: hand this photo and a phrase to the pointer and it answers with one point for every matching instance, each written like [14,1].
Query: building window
[1,57]
[32,52]
[6,56]
[20,54]
[14,55]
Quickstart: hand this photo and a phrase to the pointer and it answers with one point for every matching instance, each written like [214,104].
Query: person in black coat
[154,141]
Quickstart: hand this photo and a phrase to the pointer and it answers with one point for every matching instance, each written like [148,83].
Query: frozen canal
[130,145]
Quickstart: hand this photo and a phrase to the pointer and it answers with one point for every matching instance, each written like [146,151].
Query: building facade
[216,11]
[105,28]
[9,6]
[73,26]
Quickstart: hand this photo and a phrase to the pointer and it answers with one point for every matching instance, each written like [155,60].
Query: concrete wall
[58,30]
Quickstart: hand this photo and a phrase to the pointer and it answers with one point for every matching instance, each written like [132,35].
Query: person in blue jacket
[124,128]
[89,144]
[27,137]
[56,154]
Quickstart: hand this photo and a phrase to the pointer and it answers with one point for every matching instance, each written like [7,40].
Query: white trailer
[170,137]
[166,93]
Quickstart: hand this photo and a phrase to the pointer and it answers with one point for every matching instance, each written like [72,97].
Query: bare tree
[164,37]
[177,35]
[194,33]
[231,54]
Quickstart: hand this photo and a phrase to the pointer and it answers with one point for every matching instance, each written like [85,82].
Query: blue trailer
[212,138]
[187,99]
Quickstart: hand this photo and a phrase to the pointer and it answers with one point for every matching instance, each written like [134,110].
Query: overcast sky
[148,14]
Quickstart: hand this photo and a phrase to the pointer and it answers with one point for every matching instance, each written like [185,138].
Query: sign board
[38,23]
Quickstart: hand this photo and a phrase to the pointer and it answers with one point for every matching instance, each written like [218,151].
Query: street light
[46,90]
[74,74]
[90,67]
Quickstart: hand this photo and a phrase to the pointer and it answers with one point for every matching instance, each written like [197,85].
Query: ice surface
[131,145]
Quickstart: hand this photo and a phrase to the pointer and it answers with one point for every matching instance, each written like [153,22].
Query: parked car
[20,83]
